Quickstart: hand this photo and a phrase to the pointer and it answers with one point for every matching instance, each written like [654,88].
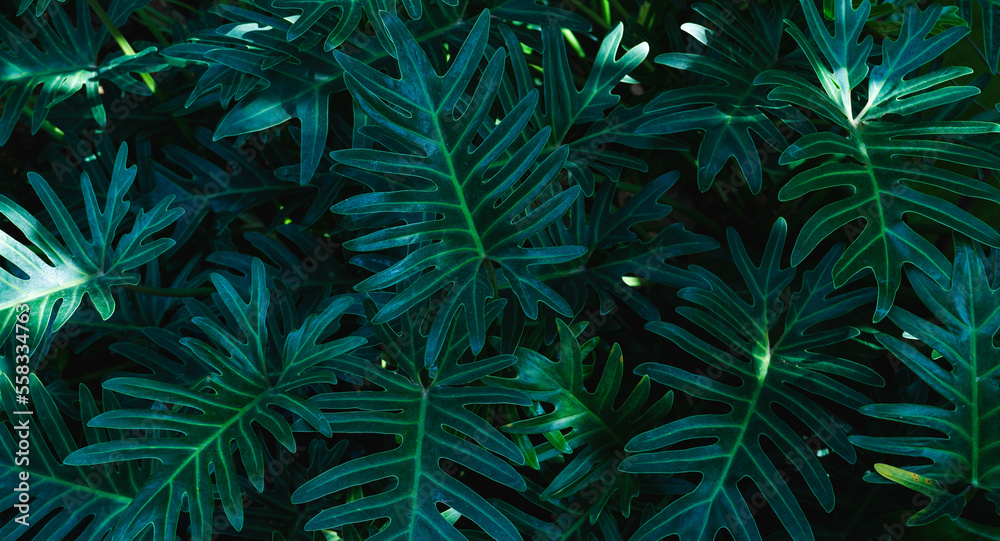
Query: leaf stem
[119,39]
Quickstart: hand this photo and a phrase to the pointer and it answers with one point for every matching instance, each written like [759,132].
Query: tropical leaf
[315,15]
[66,61]
[963,450]
[484,221]
[740,47]
[614,251]
[883,159]
[252,369]
[568,521]
[54,287]
[598,431]
[73,503]
[991,31]
[427,412]
[773,369]
[564,106]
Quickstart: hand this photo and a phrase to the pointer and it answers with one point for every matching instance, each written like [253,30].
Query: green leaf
[613,251]
[64,497]
[773,368]
[436,436]
[52,277]
[564,106]
[314,15]
[963,451]
[463,226]
[745,45]
[66,61]
[252,369]
[888,156]
[598,431]
[990,22]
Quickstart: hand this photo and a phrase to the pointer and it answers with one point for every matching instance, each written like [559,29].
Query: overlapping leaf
[427,411]
[964,453]
[466,227]
[68,59]
[252,370]
[740,47]
[74,503]
[564,106]
[892,156]
[773,368]
[75,267]
[613,251]
[598,430]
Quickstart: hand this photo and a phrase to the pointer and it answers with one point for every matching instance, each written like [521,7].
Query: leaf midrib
[456,185]
[415,500]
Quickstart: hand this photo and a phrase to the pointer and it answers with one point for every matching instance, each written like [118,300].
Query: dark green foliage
[380,270]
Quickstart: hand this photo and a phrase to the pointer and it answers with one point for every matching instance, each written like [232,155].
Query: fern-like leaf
[966,456]
[888,160]
[774,368]
[466,227]
[252,370]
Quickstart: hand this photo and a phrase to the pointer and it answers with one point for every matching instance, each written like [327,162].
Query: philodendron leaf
[466,227]
[564,105]
[253,373]
[885,154]
[599,430]
[436,435]
[725,105]
[965,453]
[774,368]
[74,503]
[66,61]
[52,290]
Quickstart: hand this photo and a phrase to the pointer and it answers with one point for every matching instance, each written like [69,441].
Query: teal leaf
[962,451]
[774,365]
[251,370]
[465,226]
[75,266]
[66,61]
[885,156]
[64,497]
[598,431]
[436,436]
[726,107]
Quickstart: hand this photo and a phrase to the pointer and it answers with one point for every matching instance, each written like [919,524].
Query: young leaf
[599,430]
